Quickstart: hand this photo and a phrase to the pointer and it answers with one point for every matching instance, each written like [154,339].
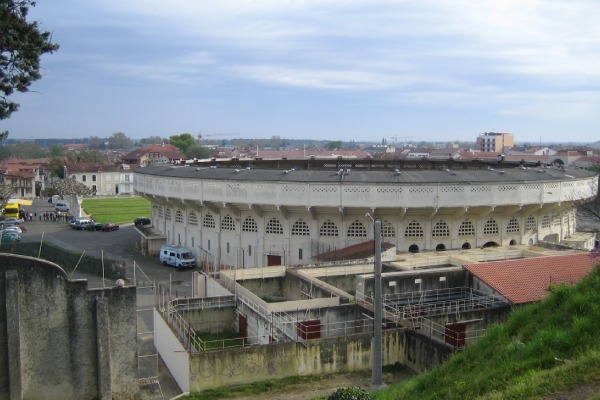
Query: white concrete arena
[259,212]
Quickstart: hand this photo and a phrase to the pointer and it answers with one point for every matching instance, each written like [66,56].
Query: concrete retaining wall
[59,340]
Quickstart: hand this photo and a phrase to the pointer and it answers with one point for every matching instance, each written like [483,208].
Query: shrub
[349,393]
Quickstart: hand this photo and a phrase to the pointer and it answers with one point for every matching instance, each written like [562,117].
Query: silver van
[62,206]
[177,256]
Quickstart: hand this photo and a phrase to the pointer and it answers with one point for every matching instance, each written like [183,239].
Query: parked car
[109,227]
[10,237]
[12,221]
[81,223]
[142,221]
[93,226]
[14,228]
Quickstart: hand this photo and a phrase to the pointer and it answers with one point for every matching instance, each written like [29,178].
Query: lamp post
[376,358]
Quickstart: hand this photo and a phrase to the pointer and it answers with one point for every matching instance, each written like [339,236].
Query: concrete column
[13,335]
[103,348]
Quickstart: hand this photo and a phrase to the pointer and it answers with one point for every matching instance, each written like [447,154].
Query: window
[192,218]
[208,245]
[357,229]
[94,188]
[530,224]
[300,254]
[249,250]
[328,228]
[546,221]
[274,226]
[84,178]
[168,215]
[466,229]
[249,225]
[440,229]
[387,230]
[179,216]
[300,228]
[93,178]
[161,212]
[228,224]
[413,229]
[227,247]
[512,226]
[208,221]
[556,220]
[490,227]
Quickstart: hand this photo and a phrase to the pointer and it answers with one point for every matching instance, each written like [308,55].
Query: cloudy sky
[317,69]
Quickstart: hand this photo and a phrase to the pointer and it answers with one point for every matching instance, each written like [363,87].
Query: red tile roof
[525,280]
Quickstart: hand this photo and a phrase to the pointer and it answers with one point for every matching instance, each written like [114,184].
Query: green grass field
[120,210]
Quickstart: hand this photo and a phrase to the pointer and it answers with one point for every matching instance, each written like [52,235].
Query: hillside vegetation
[543,348]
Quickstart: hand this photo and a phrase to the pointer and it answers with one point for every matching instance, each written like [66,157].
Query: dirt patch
[586,391]
[328,385]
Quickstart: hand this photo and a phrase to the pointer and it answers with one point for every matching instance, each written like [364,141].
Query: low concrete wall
[423,353]
[73,343]
[246,365]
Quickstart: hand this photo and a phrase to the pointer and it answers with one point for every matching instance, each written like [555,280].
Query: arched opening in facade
[440,247]
[512,242]
[466,246]
[413,248]
[490,244]
[553,238]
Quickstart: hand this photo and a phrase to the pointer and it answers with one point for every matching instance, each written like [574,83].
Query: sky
[433,70]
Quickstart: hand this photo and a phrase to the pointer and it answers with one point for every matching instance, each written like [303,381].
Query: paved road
[120,245]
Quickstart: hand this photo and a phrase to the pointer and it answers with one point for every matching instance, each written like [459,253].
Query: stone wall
[60,340]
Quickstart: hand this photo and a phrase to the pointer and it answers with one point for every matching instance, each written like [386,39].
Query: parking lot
[120,245]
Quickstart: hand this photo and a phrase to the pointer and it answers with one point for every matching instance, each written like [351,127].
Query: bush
[350,393]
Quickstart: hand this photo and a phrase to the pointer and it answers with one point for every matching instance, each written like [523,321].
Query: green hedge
[113,269]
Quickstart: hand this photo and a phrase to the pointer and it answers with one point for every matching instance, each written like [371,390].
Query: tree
[21,46]
[182,141]
[119,140]
[335,145]
[197,151]
[152,140]
[96,143]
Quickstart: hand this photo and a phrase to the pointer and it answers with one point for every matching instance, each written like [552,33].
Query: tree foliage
[21,46]
[197,151]
[182,141]
[334,145]
[119,140]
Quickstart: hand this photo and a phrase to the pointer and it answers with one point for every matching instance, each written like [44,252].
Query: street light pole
[376,368]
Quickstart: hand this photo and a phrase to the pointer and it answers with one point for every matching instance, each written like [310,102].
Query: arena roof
[366,171]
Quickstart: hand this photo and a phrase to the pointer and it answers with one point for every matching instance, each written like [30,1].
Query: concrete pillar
[13,335]
[103,348]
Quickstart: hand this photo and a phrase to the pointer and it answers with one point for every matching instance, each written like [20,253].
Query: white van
[62,206]
[177,256]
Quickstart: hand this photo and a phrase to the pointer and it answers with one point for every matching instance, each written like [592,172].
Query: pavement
[145,272]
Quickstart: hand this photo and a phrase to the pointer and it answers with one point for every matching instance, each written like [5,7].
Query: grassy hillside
[120,210]
[543,348]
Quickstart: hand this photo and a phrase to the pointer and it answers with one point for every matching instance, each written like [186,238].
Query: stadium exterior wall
[256,217]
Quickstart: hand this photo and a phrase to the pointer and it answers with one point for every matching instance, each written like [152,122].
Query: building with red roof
[526,280]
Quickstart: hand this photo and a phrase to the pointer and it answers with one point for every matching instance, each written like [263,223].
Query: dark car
[94,226]
[142,221]
[109,227]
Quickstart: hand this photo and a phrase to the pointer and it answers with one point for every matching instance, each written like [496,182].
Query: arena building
[256,212]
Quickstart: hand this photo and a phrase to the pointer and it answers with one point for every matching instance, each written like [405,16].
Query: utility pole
[376,358]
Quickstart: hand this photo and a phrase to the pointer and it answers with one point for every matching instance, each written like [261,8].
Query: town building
[153,154]
[495,142]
